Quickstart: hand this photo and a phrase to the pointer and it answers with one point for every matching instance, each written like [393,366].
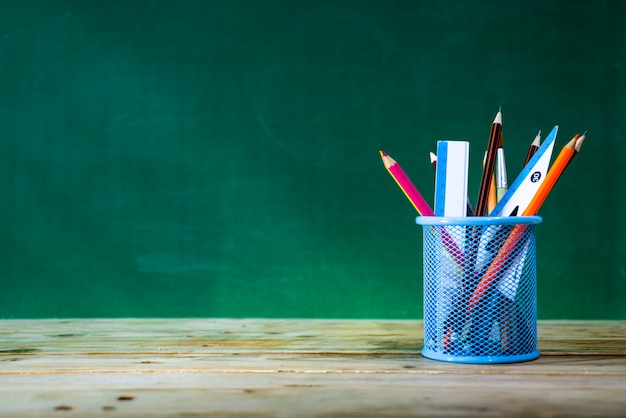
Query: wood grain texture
[276,368]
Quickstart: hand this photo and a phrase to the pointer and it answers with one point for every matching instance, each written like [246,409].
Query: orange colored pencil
[554,173]
[568,152]
[496,266]
[579,144]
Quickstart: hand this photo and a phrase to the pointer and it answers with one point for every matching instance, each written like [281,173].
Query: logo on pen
[535,177]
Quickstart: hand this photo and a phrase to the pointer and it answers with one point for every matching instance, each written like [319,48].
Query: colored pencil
[554,173]
[508,248]
[500,263]
[406,185]
[579,144]
[490,161]
[492,199]
[534,146]
[420,204]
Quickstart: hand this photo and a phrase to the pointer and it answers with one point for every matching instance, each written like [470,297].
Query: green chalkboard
[220,158]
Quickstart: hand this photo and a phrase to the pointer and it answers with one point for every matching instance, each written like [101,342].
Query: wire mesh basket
[480,292]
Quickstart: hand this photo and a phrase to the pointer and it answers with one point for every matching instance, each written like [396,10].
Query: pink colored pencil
[406,186]
[420,204]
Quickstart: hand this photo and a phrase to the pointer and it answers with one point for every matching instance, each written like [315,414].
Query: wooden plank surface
[276,368]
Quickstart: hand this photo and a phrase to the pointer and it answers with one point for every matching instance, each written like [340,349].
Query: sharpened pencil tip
[537,141]
[579,141]
[498,118]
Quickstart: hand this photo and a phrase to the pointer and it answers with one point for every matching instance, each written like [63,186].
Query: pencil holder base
[433,355]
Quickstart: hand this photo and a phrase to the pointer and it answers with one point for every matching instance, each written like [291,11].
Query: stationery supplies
[420,205]
[451,178]
[562,161]
[579,144]
[505,254]
[405,184]
[502,328]
[470,208]
[480,271]
[502,184]
[521,192]
[499,264]
[492,146]
[534,146]
[492,199]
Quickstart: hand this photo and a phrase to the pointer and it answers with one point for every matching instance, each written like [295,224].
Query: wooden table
[286,368]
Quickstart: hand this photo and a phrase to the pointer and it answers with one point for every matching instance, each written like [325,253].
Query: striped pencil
[490,163]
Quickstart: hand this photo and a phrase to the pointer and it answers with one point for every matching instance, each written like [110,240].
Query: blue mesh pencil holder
[480,289]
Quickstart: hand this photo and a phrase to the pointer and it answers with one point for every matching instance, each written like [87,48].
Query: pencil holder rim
[478,220]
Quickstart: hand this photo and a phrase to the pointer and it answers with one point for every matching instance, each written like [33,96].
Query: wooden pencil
[492,200]
[500,263]
[534,146]
[490,162]
[420,204]
[508,248]
[406,185]
[579,144]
